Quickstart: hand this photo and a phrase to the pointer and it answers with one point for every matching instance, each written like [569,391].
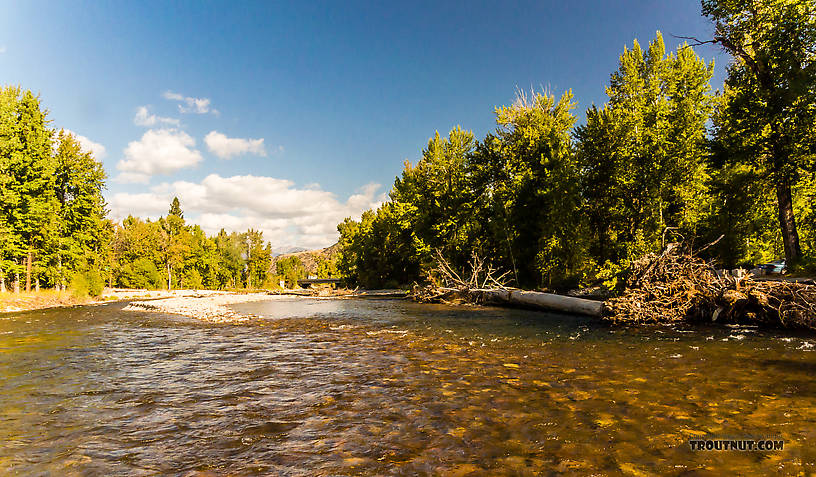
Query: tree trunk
[29,257]
[546,301]
[17,278]
[37,284]
[787,222]
[168,276]
[2,281]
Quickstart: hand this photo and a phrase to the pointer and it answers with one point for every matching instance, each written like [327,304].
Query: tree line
[169,253]
[665,159]
[54,230]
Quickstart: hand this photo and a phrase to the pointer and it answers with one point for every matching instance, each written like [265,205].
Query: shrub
[79,285]
[95,283]
[84,284]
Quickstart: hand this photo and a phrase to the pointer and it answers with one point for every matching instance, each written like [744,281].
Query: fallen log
[508,296]
[544,301]
[448,286]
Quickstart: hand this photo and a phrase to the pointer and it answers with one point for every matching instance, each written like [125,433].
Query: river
[384,387]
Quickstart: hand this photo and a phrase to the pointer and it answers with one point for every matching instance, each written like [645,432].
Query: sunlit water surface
[381,387]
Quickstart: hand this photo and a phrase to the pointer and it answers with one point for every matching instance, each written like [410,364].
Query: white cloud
[144,118]
[285,213]
[228,147]
[190,104]
[159,151]
[2,49]
[86,145]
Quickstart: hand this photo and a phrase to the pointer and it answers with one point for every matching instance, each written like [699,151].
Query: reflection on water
[342,387]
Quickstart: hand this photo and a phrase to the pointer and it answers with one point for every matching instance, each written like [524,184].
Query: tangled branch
[446,284]
[676,285]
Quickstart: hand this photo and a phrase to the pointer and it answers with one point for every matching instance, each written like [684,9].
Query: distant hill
[288,249]
[309,258]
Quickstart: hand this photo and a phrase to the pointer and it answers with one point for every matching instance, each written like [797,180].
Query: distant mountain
[309,258]
[287,249]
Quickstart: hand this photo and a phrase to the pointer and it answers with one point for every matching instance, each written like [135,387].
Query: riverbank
[207,305]
[38,300]
[24,301]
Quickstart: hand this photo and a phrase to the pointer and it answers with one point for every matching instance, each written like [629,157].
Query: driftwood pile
[676,285]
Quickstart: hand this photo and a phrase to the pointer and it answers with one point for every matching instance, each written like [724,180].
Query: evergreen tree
[28,169]
[81,237]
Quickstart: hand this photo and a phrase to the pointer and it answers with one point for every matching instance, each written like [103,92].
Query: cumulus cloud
[86,145]
[190,104]
[287,214]
[159,151]
[144,118]
[229,147]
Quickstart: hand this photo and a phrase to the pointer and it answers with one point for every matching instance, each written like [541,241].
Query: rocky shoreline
[213,308]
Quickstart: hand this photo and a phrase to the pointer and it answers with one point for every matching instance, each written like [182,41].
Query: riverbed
[387,387]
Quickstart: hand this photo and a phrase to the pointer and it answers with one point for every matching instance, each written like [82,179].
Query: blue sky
[179,94]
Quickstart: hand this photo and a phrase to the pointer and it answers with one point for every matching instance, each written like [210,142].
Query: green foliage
[168,252]
[79,285]
[558,205]
[643,156]
[95,283]
[258,258]
[53,210]
[291,270]
[327,268]
[85,284]
[141,273]
[536,193]
[768,114]
[175,209]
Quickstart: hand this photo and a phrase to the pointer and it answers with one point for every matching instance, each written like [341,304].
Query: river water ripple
[381,387]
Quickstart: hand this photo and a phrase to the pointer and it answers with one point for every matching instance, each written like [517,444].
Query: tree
[643,155]
[535,191]
[770,109]
[257,258]
[175,240]
[291,269]
[78,184]
[229,248]
[175,208]
[439,194]
[27,175]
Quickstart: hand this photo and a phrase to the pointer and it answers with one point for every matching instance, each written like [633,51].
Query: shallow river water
[382,387]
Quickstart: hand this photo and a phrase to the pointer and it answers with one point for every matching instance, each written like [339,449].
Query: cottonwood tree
[438,197]
[769,114]
[643,154]
[532,188]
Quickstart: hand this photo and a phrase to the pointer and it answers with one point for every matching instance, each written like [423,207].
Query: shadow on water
[384,387]
[792,366]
